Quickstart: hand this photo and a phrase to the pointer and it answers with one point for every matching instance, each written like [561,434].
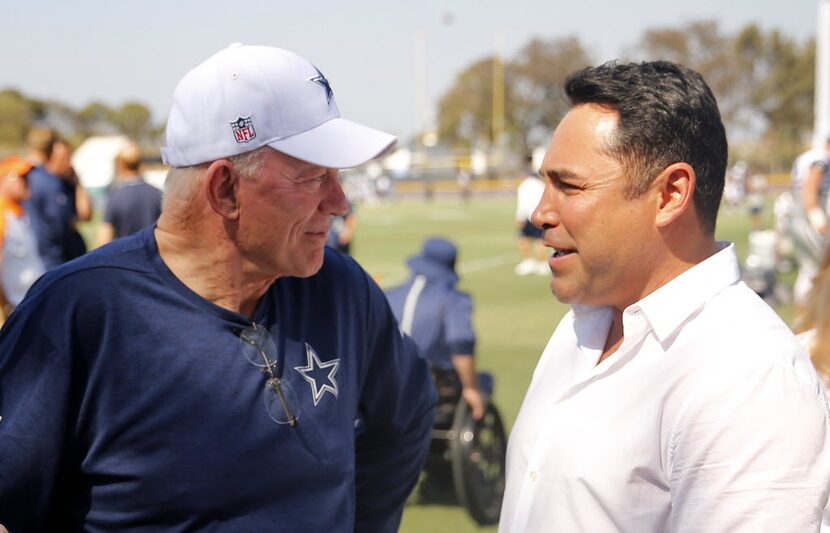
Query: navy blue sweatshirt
[128,404]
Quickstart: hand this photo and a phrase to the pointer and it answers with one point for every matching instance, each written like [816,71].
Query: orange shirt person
[20,264]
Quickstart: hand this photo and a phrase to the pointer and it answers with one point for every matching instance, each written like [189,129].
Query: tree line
[19,113]
[763,80]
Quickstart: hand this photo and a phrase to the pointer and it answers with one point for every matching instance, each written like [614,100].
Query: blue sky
[77,51]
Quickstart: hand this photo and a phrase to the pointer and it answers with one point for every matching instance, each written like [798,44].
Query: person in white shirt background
[529,241]
[808,217]
[813,326]
[670,397]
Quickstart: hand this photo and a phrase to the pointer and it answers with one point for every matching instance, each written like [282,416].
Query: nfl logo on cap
[243,130]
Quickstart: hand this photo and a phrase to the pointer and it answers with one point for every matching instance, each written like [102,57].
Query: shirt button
[534,475]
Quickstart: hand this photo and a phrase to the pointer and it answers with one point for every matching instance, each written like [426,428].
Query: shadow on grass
[435,488]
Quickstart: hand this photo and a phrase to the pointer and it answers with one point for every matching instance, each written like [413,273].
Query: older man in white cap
[220,370]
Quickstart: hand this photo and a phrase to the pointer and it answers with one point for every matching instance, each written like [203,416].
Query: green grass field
[514,316]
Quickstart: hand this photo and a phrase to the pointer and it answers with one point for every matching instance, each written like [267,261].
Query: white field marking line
[482,263]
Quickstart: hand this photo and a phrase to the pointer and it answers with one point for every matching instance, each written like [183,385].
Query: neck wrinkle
[212,268]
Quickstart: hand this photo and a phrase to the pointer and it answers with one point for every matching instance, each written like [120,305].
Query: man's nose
[546,213]
[334,202]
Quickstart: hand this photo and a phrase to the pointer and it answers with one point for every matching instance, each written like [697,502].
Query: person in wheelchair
[438,317]
[468,440]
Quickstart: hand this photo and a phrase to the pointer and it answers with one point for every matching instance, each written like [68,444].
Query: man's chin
[566,295]
[312,266]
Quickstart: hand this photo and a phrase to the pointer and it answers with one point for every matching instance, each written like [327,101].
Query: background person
[531,249]
[342,229]
[813,324]
[40,141]
[223,369]
[756,197]
[808,216]
[670,397]
[464,180]
[20,264]
[56,204]
[813,191]
[438,316]
[133,203]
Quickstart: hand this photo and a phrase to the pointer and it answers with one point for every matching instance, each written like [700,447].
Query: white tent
[94,160]
[155,176]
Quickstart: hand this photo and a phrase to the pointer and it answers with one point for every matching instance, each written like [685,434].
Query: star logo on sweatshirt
[319,375]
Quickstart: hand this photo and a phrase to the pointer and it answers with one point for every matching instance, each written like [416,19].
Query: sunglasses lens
[258,346]
[281,402]
[260,350]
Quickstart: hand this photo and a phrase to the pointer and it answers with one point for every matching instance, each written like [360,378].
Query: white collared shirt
[709,417]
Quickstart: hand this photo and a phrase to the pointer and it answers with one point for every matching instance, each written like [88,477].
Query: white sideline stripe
[482,263]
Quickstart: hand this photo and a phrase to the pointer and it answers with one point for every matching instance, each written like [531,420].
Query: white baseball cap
[246,97]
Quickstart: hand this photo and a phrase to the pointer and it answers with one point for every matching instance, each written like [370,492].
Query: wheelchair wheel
[478,452]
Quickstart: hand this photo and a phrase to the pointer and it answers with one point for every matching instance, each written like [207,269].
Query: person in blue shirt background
[341,231]
[132,203]
[438,316]
[57,201]
[222,369]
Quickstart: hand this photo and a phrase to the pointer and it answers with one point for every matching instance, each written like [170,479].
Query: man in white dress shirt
[670,397]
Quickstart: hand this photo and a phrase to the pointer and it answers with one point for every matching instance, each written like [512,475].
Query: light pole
[498,100]
[821,116]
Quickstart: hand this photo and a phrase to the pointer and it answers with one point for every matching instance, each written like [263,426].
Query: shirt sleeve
[751,454]
[458,325]
[35,401]
[820,164]
[397,405]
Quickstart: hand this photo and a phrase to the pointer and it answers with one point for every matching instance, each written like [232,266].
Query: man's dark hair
[667,114]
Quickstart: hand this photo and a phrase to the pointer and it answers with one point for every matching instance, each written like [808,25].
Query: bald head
[129,157]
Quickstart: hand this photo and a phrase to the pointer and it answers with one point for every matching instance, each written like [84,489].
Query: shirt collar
[670,306]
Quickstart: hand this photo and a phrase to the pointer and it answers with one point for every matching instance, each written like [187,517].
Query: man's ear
[677,187]
[222,188]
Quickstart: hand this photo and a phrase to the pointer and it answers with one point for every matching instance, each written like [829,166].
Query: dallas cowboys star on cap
[246,97]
